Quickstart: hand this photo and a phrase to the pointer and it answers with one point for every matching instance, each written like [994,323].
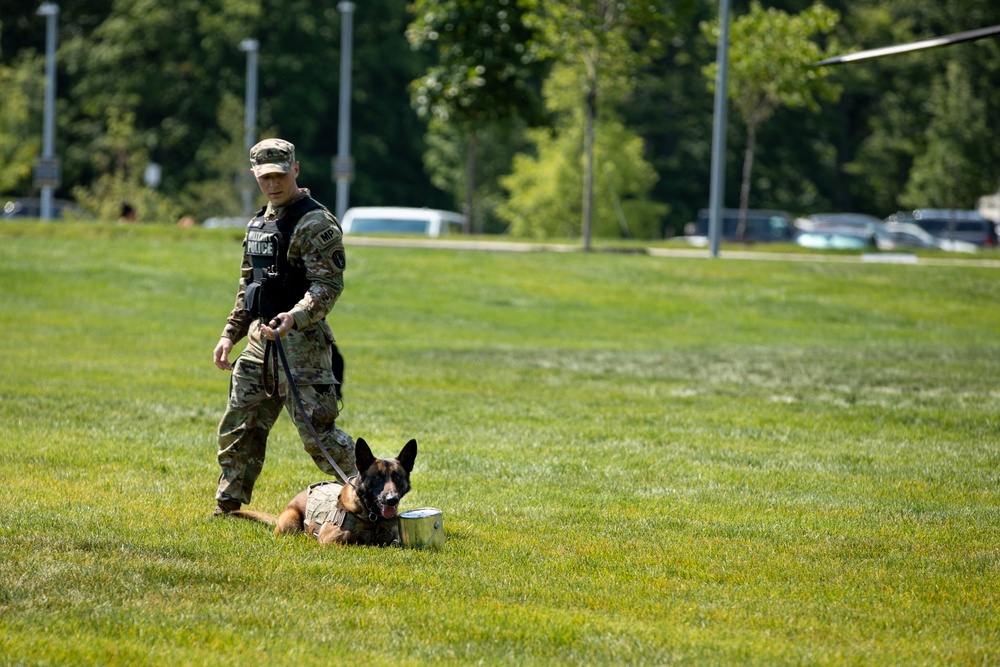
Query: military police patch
[339,259]
[326,238]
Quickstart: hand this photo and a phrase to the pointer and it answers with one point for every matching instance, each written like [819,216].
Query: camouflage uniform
[317,243]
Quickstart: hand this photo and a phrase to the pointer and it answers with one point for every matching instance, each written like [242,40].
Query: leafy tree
[948,173]
[546,191]
[178,69]
[671,108]
[595,40]
[445,164]
[896,109]
[886,122]
[387,138]
[23,30]
[20,140]
[176,66]
[771,66]
[485,72]
[225,159]
[122,165]
[166,66]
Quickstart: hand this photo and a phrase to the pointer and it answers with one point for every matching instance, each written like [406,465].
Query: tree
[547,191]
[445,163]
[485,73]
[20,139]
[122,163]
[771,66]
[894,128]
[949,174]
[164,66]
[671,108]
[178,68]
[600,41]
[175,68]
[299,94]
[224,158]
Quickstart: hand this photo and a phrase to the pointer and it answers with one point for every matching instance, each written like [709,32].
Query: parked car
[840,231]
[838,220]
[908,235]
[31,207]
[953,225]
[837,238]
[761,226]
[400,220]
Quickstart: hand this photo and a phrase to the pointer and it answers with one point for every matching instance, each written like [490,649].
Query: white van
[400,220]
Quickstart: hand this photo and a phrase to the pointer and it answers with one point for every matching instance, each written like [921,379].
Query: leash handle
[302,409]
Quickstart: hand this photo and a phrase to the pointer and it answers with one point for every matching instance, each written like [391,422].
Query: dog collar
[373,516]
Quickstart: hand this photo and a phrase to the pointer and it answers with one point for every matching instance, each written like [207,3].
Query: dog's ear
[408,455]
[363,457]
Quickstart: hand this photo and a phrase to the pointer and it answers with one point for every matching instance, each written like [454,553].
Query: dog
[363,511]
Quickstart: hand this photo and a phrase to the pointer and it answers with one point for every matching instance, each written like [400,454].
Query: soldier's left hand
[280,325]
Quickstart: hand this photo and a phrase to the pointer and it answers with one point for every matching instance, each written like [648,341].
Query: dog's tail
[261,517]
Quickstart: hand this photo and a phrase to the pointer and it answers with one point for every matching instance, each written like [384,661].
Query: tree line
[539,119]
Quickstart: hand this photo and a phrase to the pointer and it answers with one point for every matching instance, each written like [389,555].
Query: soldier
[292,274]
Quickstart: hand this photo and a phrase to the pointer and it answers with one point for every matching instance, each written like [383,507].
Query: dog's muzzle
[389,506]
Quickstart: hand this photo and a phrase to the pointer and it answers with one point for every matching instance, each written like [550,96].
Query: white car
[400,220]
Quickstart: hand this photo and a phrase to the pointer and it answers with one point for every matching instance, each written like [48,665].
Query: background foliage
[771,66]
[897,136]
[545,188]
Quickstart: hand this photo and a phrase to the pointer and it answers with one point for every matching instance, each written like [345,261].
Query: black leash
[295,394]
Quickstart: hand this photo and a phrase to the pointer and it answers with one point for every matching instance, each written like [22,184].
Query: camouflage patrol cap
[272,156]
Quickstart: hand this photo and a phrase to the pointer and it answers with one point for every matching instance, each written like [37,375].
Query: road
[692,253]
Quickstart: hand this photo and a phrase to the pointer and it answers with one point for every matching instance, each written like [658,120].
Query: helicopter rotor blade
[954,38]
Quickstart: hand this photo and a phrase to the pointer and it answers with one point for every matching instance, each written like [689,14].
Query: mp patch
[326,238]
[340,259]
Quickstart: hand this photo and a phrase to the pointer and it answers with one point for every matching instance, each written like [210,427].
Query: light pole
[719,130]
[251,46]
[343,164]
[47,169]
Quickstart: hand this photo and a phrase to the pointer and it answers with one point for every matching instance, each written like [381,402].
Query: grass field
[640,461]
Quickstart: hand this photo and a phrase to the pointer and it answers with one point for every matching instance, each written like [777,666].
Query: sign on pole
[48,173]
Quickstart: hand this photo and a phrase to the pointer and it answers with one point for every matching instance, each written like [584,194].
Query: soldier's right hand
[221,354]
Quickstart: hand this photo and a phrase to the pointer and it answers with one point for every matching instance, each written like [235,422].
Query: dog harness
[276,284]
[321,506]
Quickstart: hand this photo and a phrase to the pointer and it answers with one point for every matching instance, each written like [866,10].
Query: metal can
[422,529]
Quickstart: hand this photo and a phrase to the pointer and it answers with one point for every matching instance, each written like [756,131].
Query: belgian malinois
[360,512]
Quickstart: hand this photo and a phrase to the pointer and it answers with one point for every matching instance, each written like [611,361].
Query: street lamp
[47,169]
[343,164]
[251,46]
[719,131]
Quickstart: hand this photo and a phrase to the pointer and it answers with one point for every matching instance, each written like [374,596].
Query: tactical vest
[321,506]
[276,285]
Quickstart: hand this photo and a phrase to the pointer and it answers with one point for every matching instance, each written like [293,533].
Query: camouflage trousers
[248,419]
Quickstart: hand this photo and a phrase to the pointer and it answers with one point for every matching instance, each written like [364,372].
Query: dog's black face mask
[382,483]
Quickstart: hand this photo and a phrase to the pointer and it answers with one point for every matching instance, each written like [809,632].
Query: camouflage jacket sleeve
[318,244]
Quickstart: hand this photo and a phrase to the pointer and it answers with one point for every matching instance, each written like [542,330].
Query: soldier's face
[279,188]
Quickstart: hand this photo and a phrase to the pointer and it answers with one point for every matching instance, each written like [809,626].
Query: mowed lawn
[640,460]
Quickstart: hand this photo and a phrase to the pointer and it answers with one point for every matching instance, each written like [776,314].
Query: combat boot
[227,506]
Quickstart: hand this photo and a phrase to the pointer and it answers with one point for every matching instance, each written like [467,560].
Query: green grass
[640,460]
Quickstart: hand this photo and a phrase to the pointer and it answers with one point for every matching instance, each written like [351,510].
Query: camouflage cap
[272,156]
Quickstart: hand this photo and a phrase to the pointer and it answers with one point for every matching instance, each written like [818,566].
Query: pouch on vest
[251,297]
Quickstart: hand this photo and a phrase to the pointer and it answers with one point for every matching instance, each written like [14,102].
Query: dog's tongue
[388,512]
